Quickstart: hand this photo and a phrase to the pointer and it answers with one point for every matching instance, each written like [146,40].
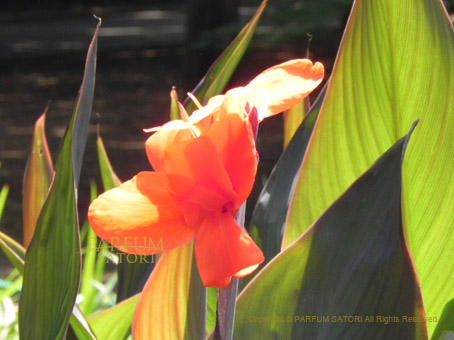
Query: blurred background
[145,48]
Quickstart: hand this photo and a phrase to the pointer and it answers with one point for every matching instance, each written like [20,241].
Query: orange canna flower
[205,167]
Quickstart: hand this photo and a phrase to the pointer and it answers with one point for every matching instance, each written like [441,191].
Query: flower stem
[227,299]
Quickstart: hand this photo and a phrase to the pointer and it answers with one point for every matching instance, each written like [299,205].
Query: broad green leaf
[16,254]
[114,323]
[52,262]
[37,178]
[219,74]
[172,304]
[352,262]
[293,119]
[270,213]
[395,64]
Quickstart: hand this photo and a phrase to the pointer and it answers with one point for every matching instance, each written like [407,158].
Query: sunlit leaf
[52,262]
[172,303]
[293,119]
[174,108]
[219,74]
[114,323]
[352,262]
[108,176]
[37,178]
[395,64]
[3,196]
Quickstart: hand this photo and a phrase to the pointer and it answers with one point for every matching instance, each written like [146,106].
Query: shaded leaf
[352,262]
[395,64]
[52,262]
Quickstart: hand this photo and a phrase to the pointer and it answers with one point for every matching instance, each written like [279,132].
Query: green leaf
[90,259]
[16,254]
[270,213]
[219,74]
[172,304]
[211,309]
[52,262]
[79,326]
[395,64]
[293,119]
[3,196]
[109,178]
[352,262]
[14,251]
[37,178]
[174,108]
[114,323]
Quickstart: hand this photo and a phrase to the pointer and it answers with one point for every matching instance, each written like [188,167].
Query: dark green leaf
[52,262]
[270,213]
[352,262]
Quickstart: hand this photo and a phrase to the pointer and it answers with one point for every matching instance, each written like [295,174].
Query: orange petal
[140,216]
[175,131]
[223,249]
[233,137]
[199,159]
[281,87]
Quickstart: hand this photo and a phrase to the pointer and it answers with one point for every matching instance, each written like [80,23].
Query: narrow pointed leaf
[52,262]
[352,262]
[90,259]
[108,176]
[3,196]
[395,64]
[270,213]
[133,274]
[115,322]
[79,326]
[13,251]
[172,303]
[221,71]
[174,108]
[37,179]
